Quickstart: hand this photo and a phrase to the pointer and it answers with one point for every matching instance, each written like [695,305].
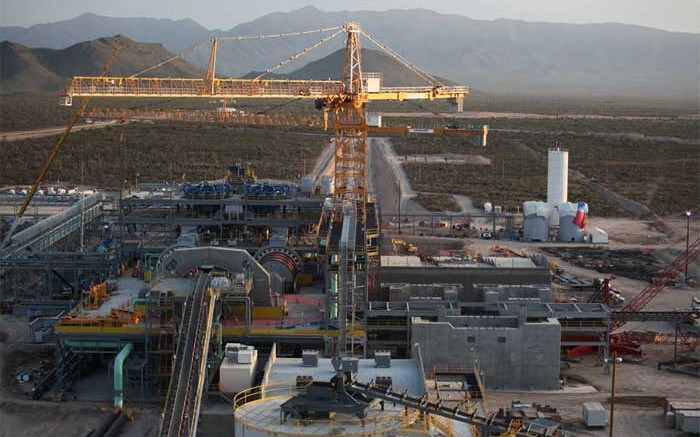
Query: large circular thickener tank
[257,413]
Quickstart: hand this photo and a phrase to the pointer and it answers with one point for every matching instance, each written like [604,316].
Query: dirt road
[640,389]
[386,178]
[51,131]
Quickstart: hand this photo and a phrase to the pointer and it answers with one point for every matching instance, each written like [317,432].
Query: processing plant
[277,297]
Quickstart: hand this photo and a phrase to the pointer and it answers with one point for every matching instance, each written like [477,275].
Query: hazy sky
[679,15]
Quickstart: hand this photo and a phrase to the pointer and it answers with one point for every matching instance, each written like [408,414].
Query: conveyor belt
[422,404]
[187,380]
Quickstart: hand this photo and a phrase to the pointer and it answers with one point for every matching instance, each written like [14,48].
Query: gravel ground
[640,390]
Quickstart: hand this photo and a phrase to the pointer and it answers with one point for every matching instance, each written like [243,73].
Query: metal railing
[373,425]
[187,87]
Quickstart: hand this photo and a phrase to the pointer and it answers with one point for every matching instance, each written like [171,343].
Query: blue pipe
[106,345]
[142,300]
[119,375]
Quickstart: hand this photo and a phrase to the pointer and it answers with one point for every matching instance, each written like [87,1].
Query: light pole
[399,207]
[687,240]
[614,361]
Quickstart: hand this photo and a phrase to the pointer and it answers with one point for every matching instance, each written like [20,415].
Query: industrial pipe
[106,346]
[119,375]
[142,300]
[117,425]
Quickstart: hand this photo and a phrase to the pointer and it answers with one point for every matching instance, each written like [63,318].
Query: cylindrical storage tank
[536,223]
[568,230]
[326,185]
[307,184]
[257,413]
[557,177]
[488,208]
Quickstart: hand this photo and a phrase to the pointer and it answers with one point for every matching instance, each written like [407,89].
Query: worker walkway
[189,368]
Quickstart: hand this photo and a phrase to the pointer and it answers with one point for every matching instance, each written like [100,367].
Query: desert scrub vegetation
[515,175]
[687,129]
[160,152]
[557,104]
[665,176]
[23,111]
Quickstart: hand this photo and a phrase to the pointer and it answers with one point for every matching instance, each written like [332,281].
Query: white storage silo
[568,230]
[536,223]
[557,177]
[488,208]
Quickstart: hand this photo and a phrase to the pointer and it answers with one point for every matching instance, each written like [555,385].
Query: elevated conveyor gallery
[189,368]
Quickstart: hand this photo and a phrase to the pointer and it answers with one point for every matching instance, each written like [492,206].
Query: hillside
[393,73]
[176,35]
[496,56]
[20,70]
[25,69]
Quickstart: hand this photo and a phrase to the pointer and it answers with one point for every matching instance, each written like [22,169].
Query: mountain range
[496,56]
[41,69]
[393,73]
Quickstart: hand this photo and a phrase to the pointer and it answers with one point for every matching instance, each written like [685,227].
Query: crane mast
[350,126]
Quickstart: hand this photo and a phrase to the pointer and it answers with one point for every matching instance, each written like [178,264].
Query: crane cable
[54,153]
[234,38]
[277,35]
[430,79]
[171,59]
[299,54]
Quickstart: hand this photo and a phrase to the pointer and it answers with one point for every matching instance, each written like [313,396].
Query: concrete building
[513,352]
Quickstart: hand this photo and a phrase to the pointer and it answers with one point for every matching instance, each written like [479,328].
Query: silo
[557,177]
[568,230]
[536,224]
[488,208]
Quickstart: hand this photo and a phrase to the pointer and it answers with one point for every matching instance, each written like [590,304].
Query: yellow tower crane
[345,100]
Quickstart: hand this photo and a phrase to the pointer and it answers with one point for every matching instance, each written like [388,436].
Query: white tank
[568,230]
[536,223]
[488,208]
[557,176]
